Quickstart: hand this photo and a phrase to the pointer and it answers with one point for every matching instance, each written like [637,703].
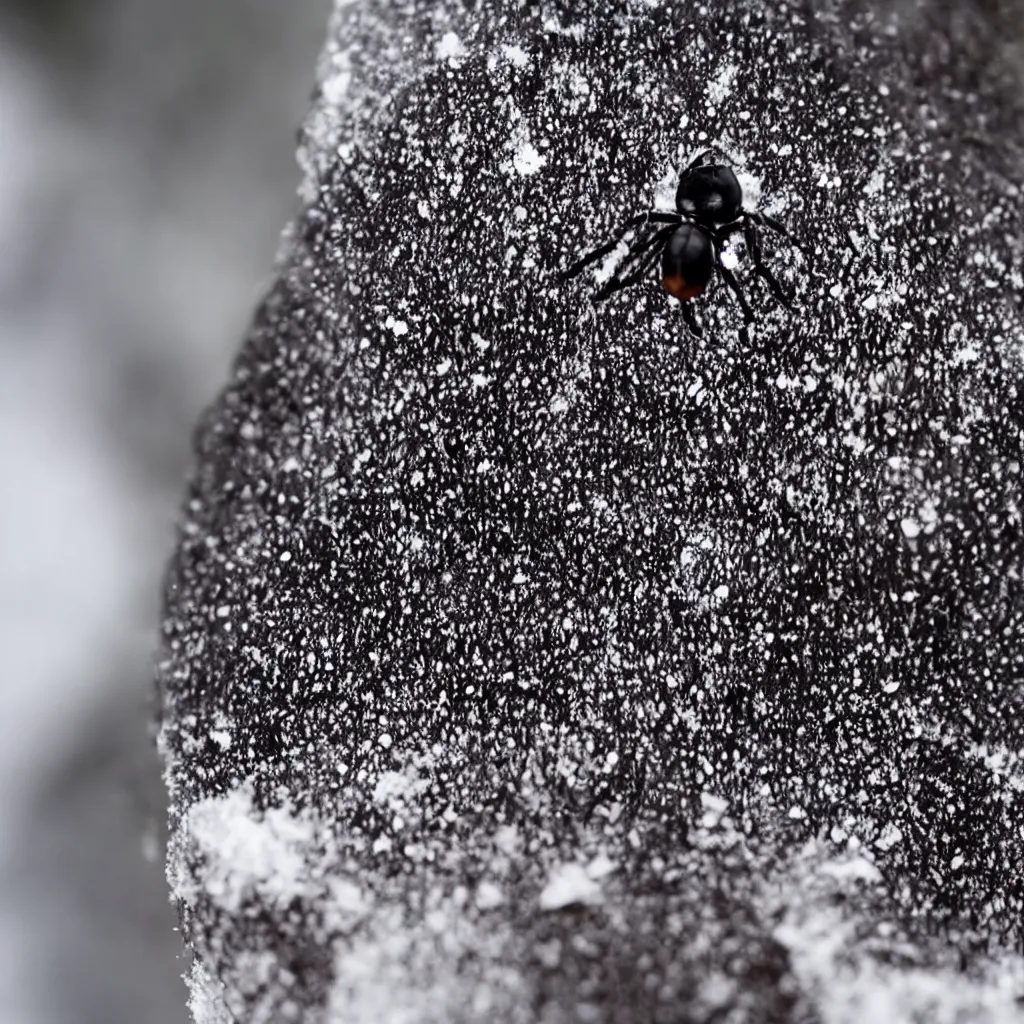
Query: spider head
[710,195]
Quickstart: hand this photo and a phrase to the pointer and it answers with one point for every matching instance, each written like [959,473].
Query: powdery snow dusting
[581,662]
[246,853]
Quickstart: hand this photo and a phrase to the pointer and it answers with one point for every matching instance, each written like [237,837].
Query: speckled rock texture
[528,660]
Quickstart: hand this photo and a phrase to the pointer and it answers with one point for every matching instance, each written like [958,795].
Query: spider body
[709,210]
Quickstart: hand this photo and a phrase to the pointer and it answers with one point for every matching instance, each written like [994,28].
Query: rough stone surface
[527,660]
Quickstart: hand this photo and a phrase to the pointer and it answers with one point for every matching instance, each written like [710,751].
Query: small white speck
[506,839]
[569,884]
[489,896]
[911,528]
[875,184]
[221,737]
[712,802]
[600,867]
[442,368]
[527,160]
[889,838]
[286,556]
[336,86]
[722,592]
[856,443]
[450,47]
[516,55]
[385,740]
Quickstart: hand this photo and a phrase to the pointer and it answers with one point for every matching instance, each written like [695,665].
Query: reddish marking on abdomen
[678,287]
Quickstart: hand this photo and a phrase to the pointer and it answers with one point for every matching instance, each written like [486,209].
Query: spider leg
[754,246]
[770,222]
[602,250]
[711,151]
[691,320]
[617,282]
[652,217]
[724,233]
[697,159]
[730,279]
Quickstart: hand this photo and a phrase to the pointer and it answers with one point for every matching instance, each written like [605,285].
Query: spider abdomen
[687,262]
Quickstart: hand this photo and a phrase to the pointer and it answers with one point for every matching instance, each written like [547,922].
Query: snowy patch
[852,990]
[450,48]
[722,83]
[569,884]
[221,737]
[239,851]
[396,789]
[857,869]
[516,55]
[489,896]
[206,997]
[527,160]
[409,971]
[751,186]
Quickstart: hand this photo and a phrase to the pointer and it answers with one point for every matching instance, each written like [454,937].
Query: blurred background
[146,171]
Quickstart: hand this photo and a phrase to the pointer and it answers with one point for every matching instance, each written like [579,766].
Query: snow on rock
[527,659]
[245,851]
[853,990]
[569,884]
[206,997]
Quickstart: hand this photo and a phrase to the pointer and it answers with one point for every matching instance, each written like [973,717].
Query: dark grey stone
[527,660]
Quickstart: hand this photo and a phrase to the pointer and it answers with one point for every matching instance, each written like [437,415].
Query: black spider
[709,202]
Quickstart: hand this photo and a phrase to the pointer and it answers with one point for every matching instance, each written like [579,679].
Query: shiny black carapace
[709,205]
